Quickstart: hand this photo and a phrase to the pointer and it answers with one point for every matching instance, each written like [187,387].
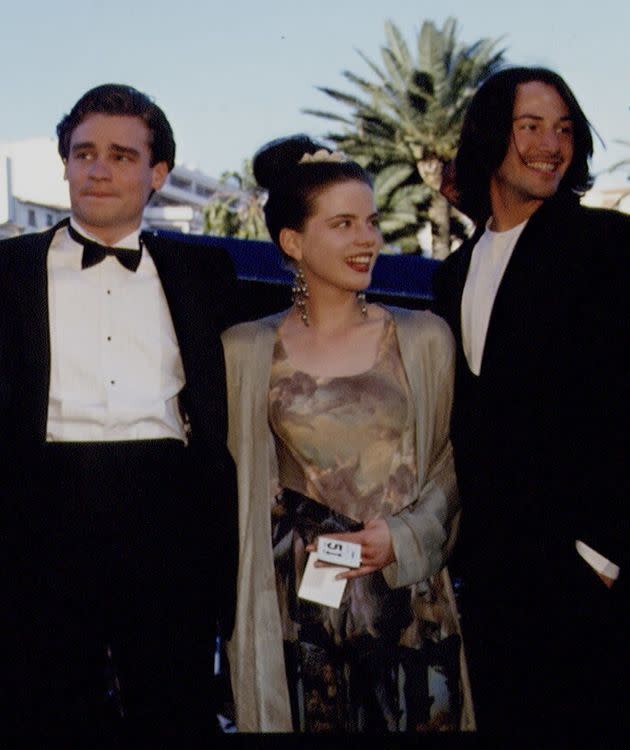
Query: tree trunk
[440,215]
[431,171]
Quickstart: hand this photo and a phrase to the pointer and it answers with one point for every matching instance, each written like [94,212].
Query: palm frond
[411,110]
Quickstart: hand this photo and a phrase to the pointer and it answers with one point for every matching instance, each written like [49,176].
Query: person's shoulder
[197,247]
[18,249]
[603,250]
[609,217]
[21,241]
[243,334]
[602,236]
[426,343]
[240,332]
[598,213]
[422,324]
[570,212]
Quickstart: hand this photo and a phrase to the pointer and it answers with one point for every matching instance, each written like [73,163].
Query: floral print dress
[386,659]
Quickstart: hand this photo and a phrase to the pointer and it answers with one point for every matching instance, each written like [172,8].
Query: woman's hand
[376,548]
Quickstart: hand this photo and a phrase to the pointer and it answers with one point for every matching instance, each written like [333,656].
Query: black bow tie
[94,253]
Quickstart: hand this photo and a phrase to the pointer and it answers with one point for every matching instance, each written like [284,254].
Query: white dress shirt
[115,368]
[488,262]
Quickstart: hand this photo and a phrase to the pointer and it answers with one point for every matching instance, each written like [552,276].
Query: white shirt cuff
[596,561]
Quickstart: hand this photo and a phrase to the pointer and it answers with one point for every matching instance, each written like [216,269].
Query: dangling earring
[299,293]
[362,303]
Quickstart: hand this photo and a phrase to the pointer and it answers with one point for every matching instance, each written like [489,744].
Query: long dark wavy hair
[487,130]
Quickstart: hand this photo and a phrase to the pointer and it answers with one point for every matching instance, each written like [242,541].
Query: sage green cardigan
[422,533]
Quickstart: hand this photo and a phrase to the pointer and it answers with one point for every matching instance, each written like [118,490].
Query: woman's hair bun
[273,161]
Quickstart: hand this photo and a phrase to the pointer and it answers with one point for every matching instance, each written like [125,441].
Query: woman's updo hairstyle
[292,186]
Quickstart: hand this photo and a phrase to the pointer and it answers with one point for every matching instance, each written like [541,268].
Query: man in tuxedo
[536,300]
[118,492]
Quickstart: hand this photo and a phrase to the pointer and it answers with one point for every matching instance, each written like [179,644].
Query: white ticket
[319,584]
[339,553]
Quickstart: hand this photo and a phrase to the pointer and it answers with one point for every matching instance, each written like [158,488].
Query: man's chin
[98,219]
[545,192]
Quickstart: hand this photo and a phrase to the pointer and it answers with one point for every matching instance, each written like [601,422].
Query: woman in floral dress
[338,417]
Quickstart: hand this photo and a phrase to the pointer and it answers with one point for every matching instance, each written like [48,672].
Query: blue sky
[231,75]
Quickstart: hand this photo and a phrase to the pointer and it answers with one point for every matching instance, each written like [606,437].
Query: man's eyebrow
[528,116]
[115,147]
[341,216]
[124,149]
[82,145]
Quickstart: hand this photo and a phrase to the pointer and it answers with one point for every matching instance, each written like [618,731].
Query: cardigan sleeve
[424,532]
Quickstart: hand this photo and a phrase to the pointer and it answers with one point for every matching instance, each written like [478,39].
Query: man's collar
[131,241]
[563,200]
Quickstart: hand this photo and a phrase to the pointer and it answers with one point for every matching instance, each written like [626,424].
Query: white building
[34,195]
[611,190]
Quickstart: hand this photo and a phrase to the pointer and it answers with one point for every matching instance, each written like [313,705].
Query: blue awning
[394,275]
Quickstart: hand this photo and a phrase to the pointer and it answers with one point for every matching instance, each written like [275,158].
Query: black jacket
[199,284]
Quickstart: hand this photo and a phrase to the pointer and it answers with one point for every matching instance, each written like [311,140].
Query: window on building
[32,219]
[177,182]
[203,191]
[49,220]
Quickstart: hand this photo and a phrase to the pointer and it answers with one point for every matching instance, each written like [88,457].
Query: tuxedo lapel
[182,291]
[196,285]
[448,286]
[32,322]
[461,273]
[187,291]
[512,304]
[531,300]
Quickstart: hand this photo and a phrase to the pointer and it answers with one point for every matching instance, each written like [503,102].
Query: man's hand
[607,581]
[376,548]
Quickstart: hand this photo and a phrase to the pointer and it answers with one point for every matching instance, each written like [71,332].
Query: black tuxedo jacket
[199,284]
[539,436]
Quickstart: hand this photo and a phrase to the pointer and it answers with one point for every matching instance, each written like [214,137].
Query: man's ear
[65,169]
[160,173]
[291,243]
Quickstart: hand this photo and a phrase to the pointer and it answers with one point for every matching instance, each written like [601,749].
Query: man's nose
[99,170]
[550,139]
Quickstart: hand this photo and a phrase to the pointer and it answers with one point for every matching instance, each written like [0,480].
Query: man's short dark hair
[119,99]
[487,130]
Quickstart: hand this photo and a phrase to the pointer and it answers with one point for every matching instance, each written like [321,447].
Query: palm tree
[408,122]
[236,209]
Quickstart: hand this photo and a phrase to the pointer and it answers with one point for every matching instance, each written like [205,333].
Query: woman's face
[340,240]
